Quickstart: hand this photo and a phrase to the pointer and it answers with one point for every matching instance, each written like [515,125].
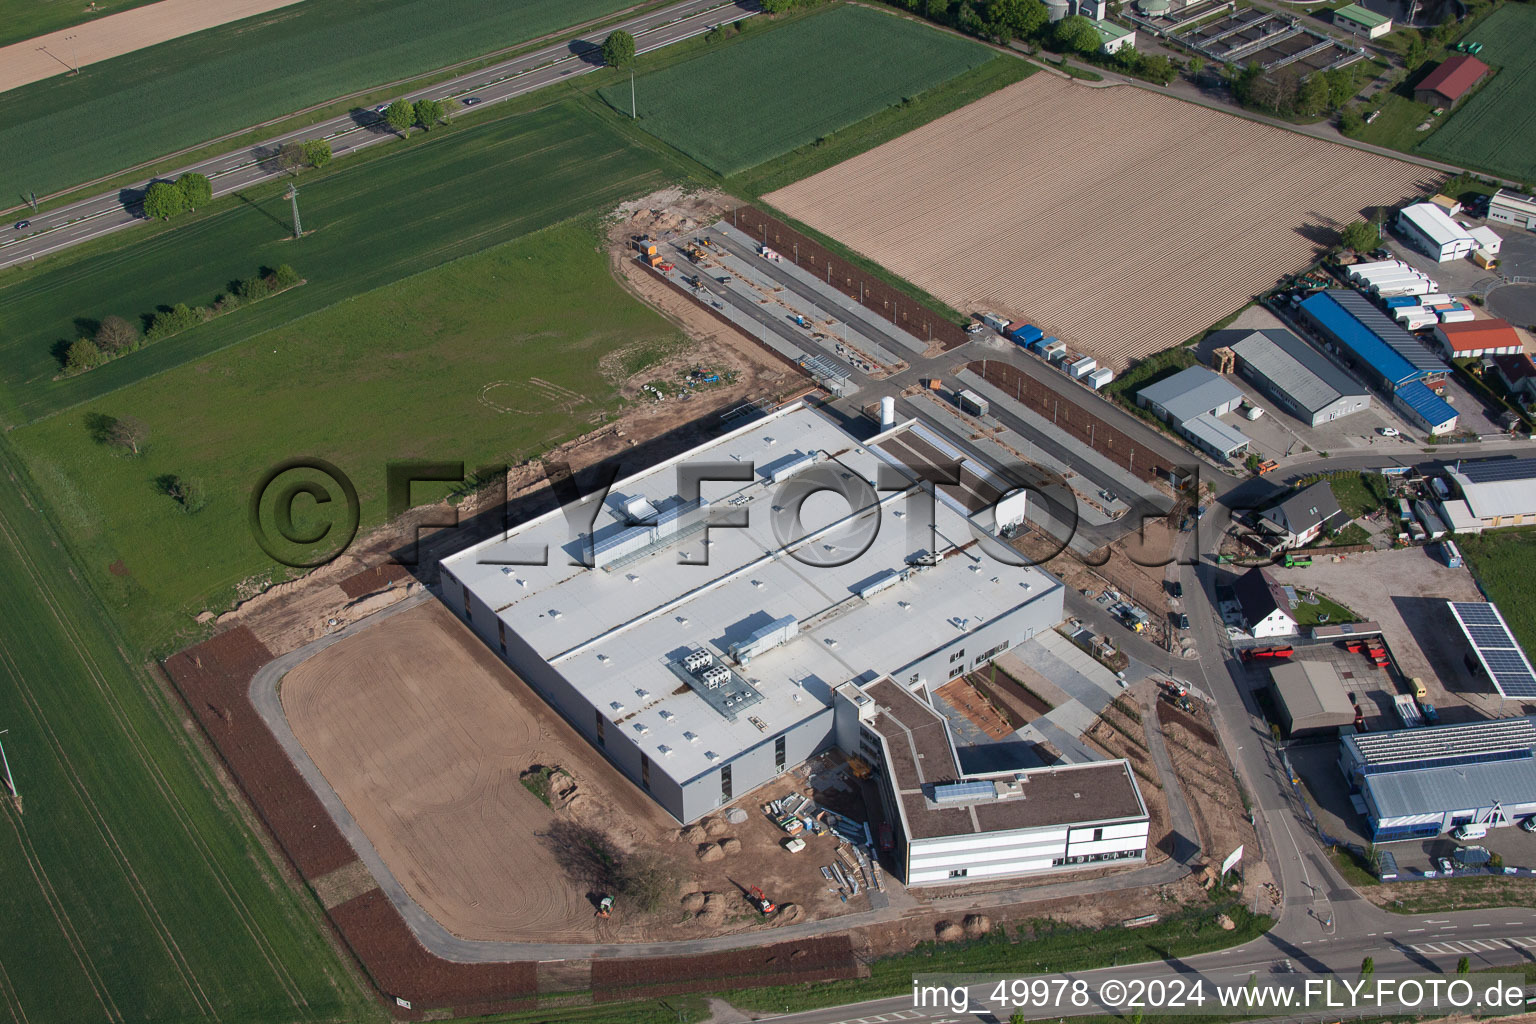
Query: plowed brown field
[1119,220]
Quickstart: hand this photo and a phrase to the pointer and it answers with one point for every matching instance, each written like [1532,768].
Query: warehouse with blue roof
[1385,354]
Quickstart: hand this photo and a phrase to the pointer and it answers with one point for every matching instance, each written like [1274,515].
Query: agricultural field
[767,93]
[1131,225]
[1493,130]
[23,19]
[494,357]
[134,889]
[370,222]
[122,112]
[1504,561]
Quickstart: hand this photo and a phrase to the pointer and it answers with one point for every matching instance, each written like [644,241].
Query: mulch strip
[877,296]
[1072,419]
[785,963]
[213,679]
[373,580]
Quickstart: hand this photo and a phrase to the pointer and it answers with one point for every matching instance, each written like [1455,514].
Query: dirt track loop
[1122,221]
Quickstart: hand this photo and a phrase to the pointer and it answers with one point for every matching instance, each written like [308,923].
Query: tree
[188,492]
[1351,121]
[317,153]
[619,47]
[1367,967]
[400,115]
[116,335]
[1076,34]
[1464,966]
[82,355]
[1196,65]
[285,276]
[1361,236]
[129,433]
[195,188]
[291,157]
[428,113]
[163,200]
[1312,95]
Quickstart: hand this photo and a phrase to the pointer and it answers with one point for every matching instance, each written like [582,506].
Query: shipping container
[999,324]
[1025,334]
[1457,316]
[1402,313]
[1083,367]
[1452,554]
[973,403]
[1484,260]
[1055,351]
[1399,301]
[1098,378]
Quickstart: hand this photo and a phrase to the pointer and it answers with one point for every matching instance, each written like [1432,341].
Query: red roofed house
[1478,338]
[1450,81]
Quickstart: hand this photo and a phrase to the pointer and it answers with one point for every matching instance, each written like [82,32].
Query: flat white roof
[613,632]
[1436,224]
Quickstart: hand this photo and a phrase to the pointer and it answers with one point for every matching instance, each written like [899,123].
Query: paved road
[112,211]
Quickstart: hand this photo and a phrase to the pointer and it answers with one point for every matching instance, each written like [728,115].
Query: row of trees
[1287,93]
[165,199]
[403,115]
[294,156]
[116,337]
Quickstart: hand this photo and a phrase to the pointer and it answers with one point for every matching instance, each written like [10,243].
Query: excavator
[765,906]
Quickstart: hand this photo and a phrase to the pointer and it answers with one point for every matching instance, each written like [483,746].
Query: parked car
[1183,621]
[1387,431]
[470,101]
[1176,589]
[22,225]
[1529,824]
[1446,867]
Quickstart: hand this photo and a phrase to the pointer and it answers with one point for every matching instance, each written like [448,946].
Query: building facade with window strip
[948,827]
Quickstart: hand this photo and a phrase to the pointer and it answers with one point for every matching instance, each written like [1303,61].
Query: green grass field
[132,886]
[1494,129]
[396,373]
[131,109]
[23,19]
[455,192]
[748,101]
[1504,562]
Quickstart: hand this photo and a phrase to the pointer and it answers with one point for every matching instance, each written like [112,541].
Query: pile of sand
[977,925]
[709,852]
[731,846]
[693,902]
[948,931]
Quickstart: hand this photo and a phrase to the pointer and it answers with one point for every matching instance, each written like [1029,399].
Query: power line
[293,197]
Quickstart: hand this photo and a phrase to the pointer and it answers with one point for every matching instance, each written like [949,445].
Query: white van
[1470,831]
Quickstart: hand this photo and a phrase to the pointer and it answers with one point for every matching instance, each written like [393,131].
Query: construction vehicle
[859,767]
[1297,561]
[666,266]
[605,907]
[801,321]
[1267,466]
[765,906]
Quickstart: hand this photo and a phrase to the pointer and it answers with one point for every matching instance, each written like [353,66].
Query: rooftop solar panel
[1492,470]
[1497,649]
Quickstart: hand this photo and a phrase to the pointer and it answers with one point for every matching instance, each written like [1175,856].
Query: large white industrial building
[1516,208]
[1433,232]
[701,660]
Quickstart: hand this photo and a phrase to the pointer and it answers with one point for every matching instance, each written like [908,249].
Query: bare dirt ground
[1121,221]
[1210,788]
[424,734]
[1405,590]
[117,34]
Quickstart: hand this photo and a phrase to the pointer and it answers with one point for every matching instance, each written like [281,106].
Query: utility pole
[293,197]
[74,50]
[10,782]
[632,115]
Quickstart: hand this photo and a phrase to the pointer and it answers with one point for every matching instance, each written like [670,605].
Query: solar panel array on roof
[1472,742]
[1487,471]
[1495,646]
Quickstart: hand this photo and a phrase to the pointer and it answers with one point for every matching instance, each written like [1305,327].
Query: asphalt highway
[58,229]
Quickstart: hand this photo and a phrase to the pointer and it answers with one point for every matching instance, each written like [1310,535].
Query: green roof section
[1109,31]
[1360,16]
